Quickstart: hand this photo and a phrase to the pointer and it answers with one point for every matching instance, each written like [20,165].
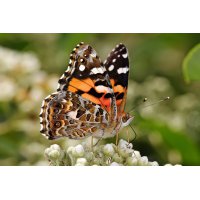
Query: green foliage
[176,141]
[191,64]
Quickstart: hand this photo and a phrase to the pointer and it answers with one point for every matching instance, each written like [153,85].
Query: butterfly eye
[125,118]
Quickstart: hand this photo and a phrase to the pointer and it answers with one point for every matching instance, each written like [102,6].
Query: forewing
[87,76]
[117,66]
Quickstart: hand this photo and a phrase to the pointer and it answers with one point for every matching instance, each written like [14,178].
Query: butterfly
[90,97]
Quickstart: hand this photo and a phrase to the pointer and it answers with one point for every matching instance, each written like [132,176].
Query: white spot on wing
[68,68]
[122,70]
[111,67]
[125,55]
[41,127]
[41,111]
[63,76]
[121,49]
[113,60]
[55,93]
[99,70]
[46,99]
[82,67]
[102,88]
[95,70]
[72,114]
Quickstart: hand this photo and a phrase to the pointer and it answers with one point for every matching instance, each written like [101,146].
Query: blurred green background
[31,64]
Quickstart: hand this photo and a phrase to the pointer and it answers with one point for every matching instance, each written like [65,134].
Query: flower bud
[55,147]
[78,151]
[114,164]
[131,161]
[81,162]
[143,161]
[54,154]
[136,154]
[117,158]
[108,150]
[154,163]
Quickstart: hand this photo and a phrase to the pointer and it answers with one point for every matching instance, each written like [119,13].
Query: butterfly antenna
[164,99]
[134,132]
[139,104]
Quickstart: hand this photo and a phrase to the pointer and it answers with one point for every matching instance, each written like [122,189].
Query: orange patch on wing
[91,98]
[105,101]
[112,81]
[119,89]
[119,101]
[83,85]
[72,89]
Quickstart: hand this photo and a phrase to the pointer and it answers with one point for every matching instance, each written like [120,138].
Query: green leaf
[191,64]
[175,140]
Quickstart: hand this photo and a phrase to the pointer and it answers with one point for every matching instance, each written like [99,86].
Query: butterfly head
[126,119]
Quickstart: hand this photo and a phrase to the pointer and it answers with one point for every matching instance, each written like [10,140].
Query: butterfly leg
[102,134]
[98,141]
[117,138]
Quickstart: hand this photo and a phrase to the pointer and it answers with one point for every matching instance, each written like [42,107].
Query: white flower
[124,144]
[108,150]
[117,158]
[136,154]
[14,60]
[55,147]
[70,150]
[125,148]
[8,88]
[78,151]
[131,161]
[114,164]
[81,162]
[143,161]
[154,163]
[54,154]
[100,155]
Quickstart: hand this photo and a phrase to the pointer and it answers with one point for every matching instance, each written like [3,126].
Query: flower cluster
[23,85]
[83,154]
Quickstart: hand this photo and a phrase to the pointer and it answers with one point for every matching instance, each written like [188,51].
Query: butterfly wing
[68,114]
[117,66]
[87,76]
[84,102]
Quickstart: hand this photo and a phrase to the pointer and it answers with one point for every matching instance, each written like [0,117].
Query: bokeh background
[31,64]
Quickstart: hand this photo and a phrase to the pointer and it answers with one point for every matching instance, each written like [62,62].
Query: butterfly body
[90,97]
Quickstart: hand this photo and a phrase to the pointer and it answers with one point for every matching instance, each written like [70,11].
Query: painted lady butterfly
[90,97]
